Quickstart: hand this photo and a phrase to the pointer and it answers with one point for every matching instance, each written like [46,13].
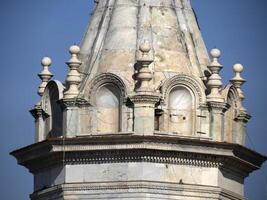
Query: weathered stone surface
[123,160]
[145,116]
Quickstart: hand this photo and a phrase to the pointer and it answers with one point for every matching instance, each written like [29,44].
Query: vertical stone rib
[91,46]
[118,53]
[180,6]
[197,40]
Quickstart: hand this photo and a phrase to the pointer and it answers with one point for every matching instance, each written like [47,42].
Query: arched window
[56,115]
[53,121]
[229,119]
[181,107]
[108,109]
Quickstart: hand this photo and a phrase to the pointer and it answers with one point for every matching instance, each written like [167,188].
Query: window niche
[108,105]
[54,116]
[229,119]
[181,108]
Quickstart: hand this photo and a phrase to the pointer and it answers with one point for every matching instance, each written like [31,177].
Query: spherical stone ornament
[145,46]
[238,68]
[74,49]
[46,61]
[215,53]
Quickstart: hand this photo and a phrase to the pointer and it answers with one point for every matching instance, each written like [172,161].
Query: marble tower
[143,113]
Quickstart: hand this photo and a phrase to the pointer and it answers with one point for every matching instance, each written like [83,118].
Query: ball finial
[74,49]
[46,61]
[145,47]
[215,53]
[238,68]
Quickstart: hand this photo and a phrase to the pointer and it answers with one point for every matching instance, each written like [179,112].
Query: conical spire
[118,27]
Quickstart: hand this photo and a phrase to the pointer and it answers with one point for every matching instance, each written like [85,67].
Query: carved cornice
[142,155]
[218,106]
[150,98]
[243,116]
[108,149]
[37,112]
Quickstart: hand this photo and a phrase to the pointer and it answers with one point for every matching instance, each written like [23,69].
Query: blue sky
[31,29]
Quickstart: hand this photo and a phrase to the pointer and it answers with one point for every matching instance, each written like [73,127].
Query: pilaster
[144,112]
[72,115]
[217,110]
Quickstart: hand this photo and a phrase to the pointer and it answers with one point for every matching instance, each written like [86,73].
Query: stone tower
[142,114]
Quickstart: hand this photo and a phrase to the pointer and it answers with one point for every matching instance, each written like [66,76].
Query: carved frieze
[129,148]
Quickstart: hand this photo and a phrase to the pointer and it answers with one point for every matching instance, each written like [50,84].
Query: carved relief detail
[183,80]
[106,78]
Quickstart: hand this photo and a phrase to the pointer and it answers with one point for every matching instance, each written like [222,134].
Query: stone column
[39,116]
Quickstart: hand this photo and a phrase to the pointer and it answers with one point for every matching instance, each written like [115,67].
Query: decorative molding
[183,80]
[74,102]
[150,98]
[244,117]
[38,112]
[229,91]
[156,149]
[140,187]
[230,88]
[103,79]
[218,106]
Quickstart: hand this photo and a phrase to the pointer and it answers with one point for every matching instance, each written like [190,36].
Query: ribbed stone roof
[117,27]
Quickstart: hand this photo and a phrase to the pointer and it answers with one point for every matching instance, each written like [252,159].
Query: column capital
[218,106]
[38,112]
[243,116]
[145,97]
[74,102]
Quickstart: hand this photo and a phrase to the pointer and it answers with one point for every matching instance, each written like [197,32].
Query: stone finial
[45,75]
[144,74]
[238,81]
[73,77]
[145,48]
[214,81]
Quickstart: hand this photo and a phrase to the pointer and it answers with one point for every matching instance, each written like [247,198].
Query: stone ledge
[135,189]
[130,148]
